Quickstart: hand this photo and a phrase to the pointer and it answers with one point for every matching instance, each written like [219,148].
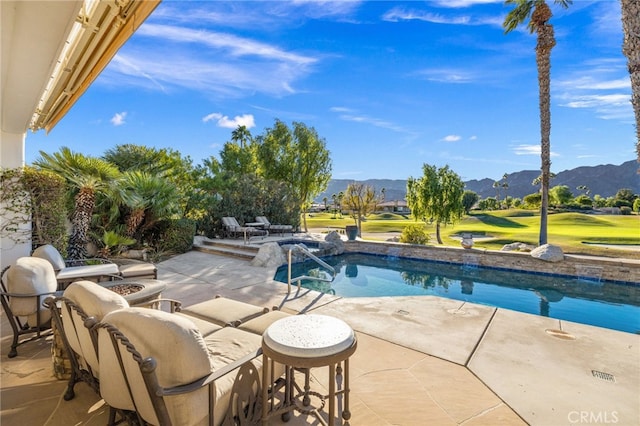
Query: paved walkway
[420,360]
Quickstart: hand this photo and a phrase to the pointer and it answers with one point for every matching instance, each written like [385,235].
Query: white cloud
[208,62]
[530,150]
[397,14]
[246,120]
[473,138]
[447,75]
[118,118]
[451,138]
[463,3]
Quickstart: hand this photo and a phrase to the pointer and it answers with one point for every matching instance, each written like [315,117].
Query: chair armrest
[174,305]
[207,380]
[49,293]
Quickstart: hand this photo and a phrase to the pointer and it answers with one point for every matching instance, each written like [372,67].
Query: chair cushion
[259,325]
[88,271]
[96,301]
[138,269]
[30,275]
[51,254]
[181,355]
[205,327]
[223,311]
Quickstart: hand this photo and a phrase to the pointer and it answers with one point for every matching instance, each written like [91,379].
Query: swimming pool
[603,304]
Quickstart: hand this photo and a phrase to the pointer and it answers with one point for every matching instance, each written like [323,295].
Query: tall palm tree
[87,176]
[631,49]
[540,14]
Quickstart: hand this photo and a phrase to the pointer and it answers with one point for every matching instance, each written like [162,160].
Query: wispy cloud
[207,61]
[398,14]
[348,114]
[530,150]
[246,120]
[463,3]
[118,118]
[601,85]
[446,75]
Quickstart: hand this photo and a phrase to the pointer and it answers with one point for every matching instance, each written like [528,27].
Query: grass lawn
[574,232]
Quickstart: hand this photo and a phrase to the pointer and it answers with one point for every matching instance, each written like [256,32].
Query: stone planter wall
[622,270]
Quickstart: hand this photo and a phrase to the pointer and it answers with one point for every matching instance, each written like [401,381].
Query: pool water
[600,303]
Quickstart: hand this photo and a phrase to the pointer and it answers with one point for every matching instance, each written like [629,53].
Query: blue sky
[389,85]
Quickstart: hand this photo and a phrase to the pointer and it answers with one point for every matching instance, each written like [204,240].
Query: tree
[540,14]
[87,176]
[437,194]
[560,195]
[297,157]
[631,49]
[469,199]
[360,200]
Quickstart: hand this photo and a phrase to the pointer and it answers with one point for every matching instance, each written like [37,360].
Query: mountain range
[604,180]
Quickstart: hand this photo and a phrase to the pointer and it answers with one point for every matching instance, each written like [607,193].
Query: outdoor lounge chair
[232,229]
[68,271]
[82,304]
[25,285]
[161,367]
[274,228]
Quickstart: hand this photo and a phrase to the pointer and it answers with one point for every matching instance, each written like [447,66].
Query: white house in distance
[51,53]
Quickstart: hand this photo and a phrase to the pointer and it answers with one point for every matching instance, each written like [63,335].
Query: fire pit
[137,291]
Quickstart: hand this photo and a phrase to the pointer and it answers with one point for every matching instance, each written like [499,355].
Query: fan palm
[87,176]
[155,198]
[540,14]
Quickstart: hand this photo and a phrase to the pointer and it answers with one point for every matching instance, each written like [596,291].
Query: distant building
[395,206]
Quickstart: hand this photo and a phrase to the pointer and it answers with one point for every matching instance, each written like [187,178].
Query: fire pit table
[137,291]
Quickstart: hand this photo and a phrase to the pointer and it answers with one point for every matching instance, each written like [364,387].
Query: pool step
[227,249]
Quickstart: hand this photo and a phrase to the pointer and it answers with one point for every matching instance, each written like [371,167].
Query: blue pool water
[604,304]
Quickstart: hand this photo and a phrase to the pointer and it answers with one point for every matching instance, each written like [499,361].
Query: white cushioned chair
[83,304]
[73,270]
[160,366]
[25,285]
[274,227]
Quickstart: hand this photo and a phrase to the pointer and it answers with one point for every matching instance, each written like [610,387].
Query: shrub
[414,234]
[626,210]
[173,236]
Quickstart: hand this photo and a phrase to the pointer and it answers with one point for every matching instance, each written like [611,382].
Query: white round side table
[304,342]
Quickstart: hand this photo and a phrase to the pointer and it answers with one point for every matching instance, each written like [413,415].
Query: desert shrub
[414,233]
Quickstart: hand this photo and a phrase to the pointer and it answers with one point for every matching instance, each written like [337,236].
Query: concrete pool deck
[420,360]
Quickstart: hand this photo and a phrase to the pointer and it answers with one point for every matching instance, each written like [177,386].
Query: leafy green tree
[584,200]
[599,201]
[469,199]
[532,201]
[560,195]
[489,203]
[636,205]
[625,197]
[298,157]
[361,200]
[540,14]
[437,194]
[87,176]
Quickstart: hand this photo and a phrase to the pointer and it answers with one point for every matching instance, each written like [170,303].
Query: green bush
[173,236]
[414,234]
[626,210]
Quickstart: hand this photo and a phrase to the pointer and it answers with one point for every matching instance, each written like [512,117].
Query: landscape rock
[270,254]
[332,245]
[548,253]
[517,246]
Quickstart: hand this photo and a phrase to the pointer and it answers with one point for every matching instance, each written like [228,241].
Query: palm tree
[540,14]
[154,197]
[88,176]
[631,49]
[241,135]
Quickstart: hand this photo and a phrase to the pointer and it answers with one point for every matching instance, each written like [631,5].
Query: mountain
[604,180]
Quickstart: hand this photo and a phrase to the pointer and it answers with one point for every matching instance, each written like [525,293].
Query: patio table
[303,342]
